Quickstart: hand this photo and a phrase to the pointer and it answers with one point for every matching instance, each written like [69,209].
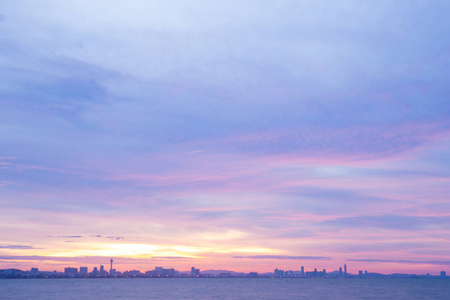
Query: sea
[224,288]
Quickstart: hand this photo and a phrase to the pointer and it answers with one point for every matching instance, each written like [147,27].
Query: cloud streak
[17,247]
[169,258]
[393,222]
[400,261]
[284,257]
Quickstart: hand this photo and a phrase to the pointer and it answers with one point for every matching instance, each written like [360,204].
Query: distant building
[34,271]
[225,275]
[253,274]
[345,270]
[161,272]
[303,271]
[70,270]
[11,272]
[315,273]
[158,271]
[278,273]
[103,272]
[340,271]
[289,274]
[195,272]
[443,274]
[95,272]
[360,273]
[133,273]
[83,271]
[171,272]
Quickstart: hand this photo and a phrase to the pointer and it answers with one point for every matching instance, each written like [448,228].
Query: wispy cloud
[392,222]
[172,258]
[3,183]
[71,259]
[66,236]
[17,247]
[284,257]
[400,261]
[115,237]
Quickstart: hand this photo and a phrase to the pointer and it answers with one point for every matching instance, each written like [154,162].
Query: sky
[233,135]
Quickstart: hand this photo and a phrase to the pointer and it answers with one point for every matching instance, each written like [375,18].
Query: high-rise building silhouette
[278,273]
[103,273]
[345,270]
[195,272]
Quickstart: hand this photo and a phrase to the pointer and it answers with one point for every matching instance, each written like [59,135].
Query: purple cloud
[284,257]
[400,261]
[115,237]
[392,222]
[172,258]
[17,247]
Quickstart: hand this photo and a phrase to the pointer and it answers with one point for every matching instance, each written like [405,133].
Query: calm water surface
[224,288]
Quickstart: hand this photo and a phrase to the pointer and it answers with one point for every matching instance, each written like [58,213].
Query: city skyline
[235,136]
[162,272]
[340,271]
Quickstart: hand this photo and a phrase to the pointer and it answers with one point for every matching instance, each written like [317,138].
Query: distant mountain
[333,273]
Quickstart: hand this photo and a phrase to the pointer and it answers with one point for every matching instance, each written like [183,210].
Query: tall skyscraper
[102,271]
[83,271]
[340,271]
[303,271]
[345,270]
[195,272]
[110,269]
